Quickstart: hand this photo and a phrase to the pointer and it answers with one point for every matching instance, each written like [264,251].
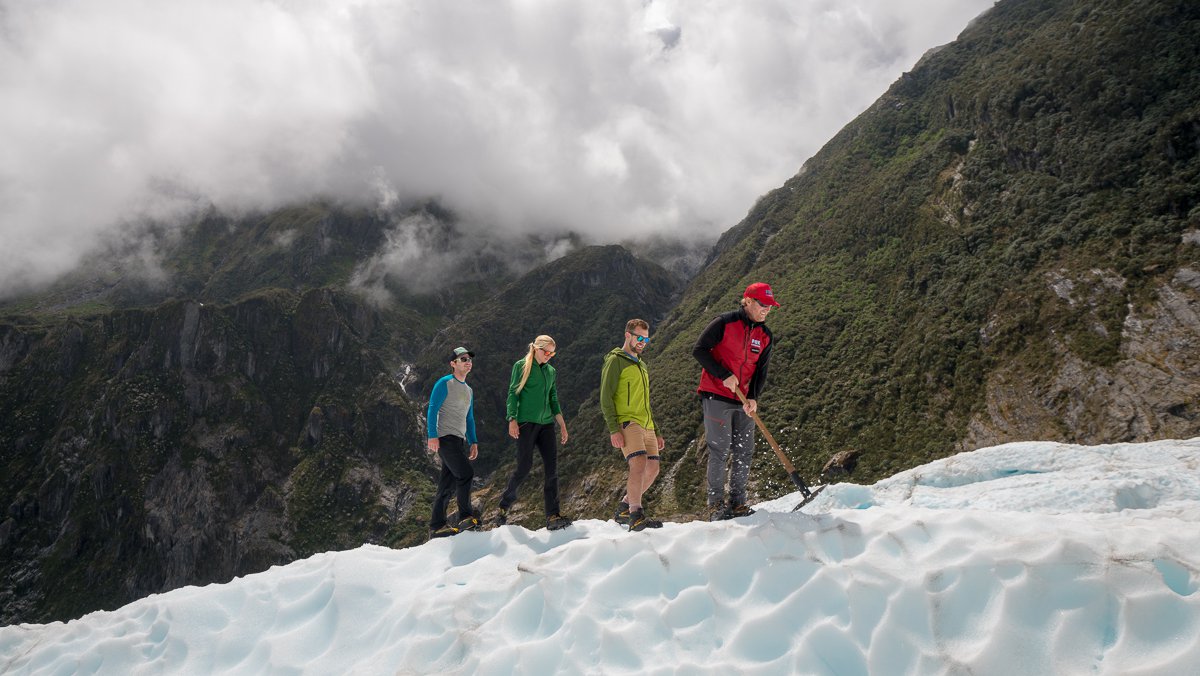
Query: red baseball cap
[761,292]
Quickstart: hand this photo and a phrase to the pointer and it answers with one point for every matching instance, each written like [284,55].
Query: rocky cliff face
[1150,392]
[189,443]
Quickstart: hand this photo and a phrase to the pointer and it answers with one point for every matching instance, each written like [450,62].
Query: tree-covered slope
[1004,246]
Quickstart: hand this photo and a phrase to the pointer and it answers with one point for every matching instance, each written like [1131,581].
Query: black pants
[542,436]
[457,474]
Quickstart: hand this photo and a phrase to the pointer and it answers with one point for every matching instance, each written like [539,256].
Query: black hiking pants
[456,477]
[542,436]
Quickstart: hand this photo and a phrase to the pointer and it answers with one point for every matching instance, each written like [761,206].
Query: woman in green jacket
[532,408]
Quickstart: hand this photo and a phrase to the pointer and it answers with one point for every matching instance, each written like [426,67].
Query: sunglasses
[548,353]
[640,339]
[762,304]
[465,360]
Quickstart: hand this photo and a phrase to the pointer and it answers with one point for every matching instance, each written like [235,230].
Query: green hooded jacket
[538,400]
[625,391]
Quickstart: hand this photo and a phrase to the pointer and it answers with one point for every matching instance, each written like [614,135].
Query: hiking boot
[639,521]
[446,530]
[469,523]
[739,510]
[719,512]
[502,516]
[621,516]
[456,517]
[557,521]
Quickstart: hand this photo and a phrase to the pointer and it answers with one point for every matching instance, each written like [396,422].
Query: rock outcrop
[1151,392]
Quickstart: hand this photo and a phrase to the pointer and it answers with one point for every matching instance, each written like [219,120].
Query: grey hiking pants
[730,435]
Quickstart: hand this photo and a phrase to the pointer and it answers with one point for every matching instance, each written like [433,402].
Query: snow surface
[1027,558]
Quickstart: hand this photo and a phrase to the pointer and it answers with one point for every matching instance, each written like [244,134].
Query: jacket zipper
[745,358]
[646,388]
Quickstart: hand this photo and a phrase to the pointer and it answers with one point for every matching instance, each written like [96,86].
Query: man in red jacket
[734,351]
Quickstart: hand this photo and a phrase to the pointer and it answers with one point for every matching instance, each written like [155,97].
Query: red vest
[738,350]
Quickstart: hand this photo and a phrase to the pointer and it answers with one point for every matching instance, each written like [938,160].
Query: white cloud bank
[608,118]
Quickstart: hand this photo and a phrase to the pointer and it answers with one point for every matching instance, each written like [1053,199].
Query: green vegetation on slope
[917,252]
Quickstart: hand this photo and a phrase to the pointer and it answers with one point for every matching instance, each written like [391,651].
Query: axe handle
[787,464]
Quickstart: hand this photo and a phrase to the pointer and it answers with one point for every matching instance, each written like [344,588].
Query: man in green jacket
[625,401]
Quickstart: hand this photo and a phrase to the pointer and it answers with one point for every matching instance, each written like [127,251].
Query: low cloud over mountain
[613,119]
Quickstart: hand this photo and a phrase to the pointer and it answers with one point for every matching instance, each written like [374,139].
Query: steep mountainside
[187,443]
[151,442]
[1004,246]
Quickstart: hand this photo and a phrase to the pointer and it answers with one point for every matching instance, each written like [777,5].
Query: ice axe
[787,464]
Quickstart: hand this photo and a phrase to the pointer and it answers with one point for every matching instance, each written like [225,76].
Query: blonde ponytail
[539,342]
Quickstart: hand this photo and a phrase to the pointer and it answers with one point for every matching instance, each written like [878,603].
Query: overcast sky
[612,118]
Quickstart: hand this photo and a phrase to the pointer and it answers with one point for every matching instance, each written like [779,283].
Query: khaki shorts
[639,441]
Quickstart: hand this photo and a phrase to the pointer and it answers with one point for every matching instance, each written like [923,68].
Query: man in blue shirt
[450,423]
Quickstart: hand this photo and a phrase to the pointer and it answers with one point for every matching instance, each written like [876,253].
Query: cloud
[420,248]
[611,119]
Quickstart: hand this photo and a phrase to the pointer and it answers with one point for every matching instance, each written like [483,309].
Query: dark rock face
[150,449]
